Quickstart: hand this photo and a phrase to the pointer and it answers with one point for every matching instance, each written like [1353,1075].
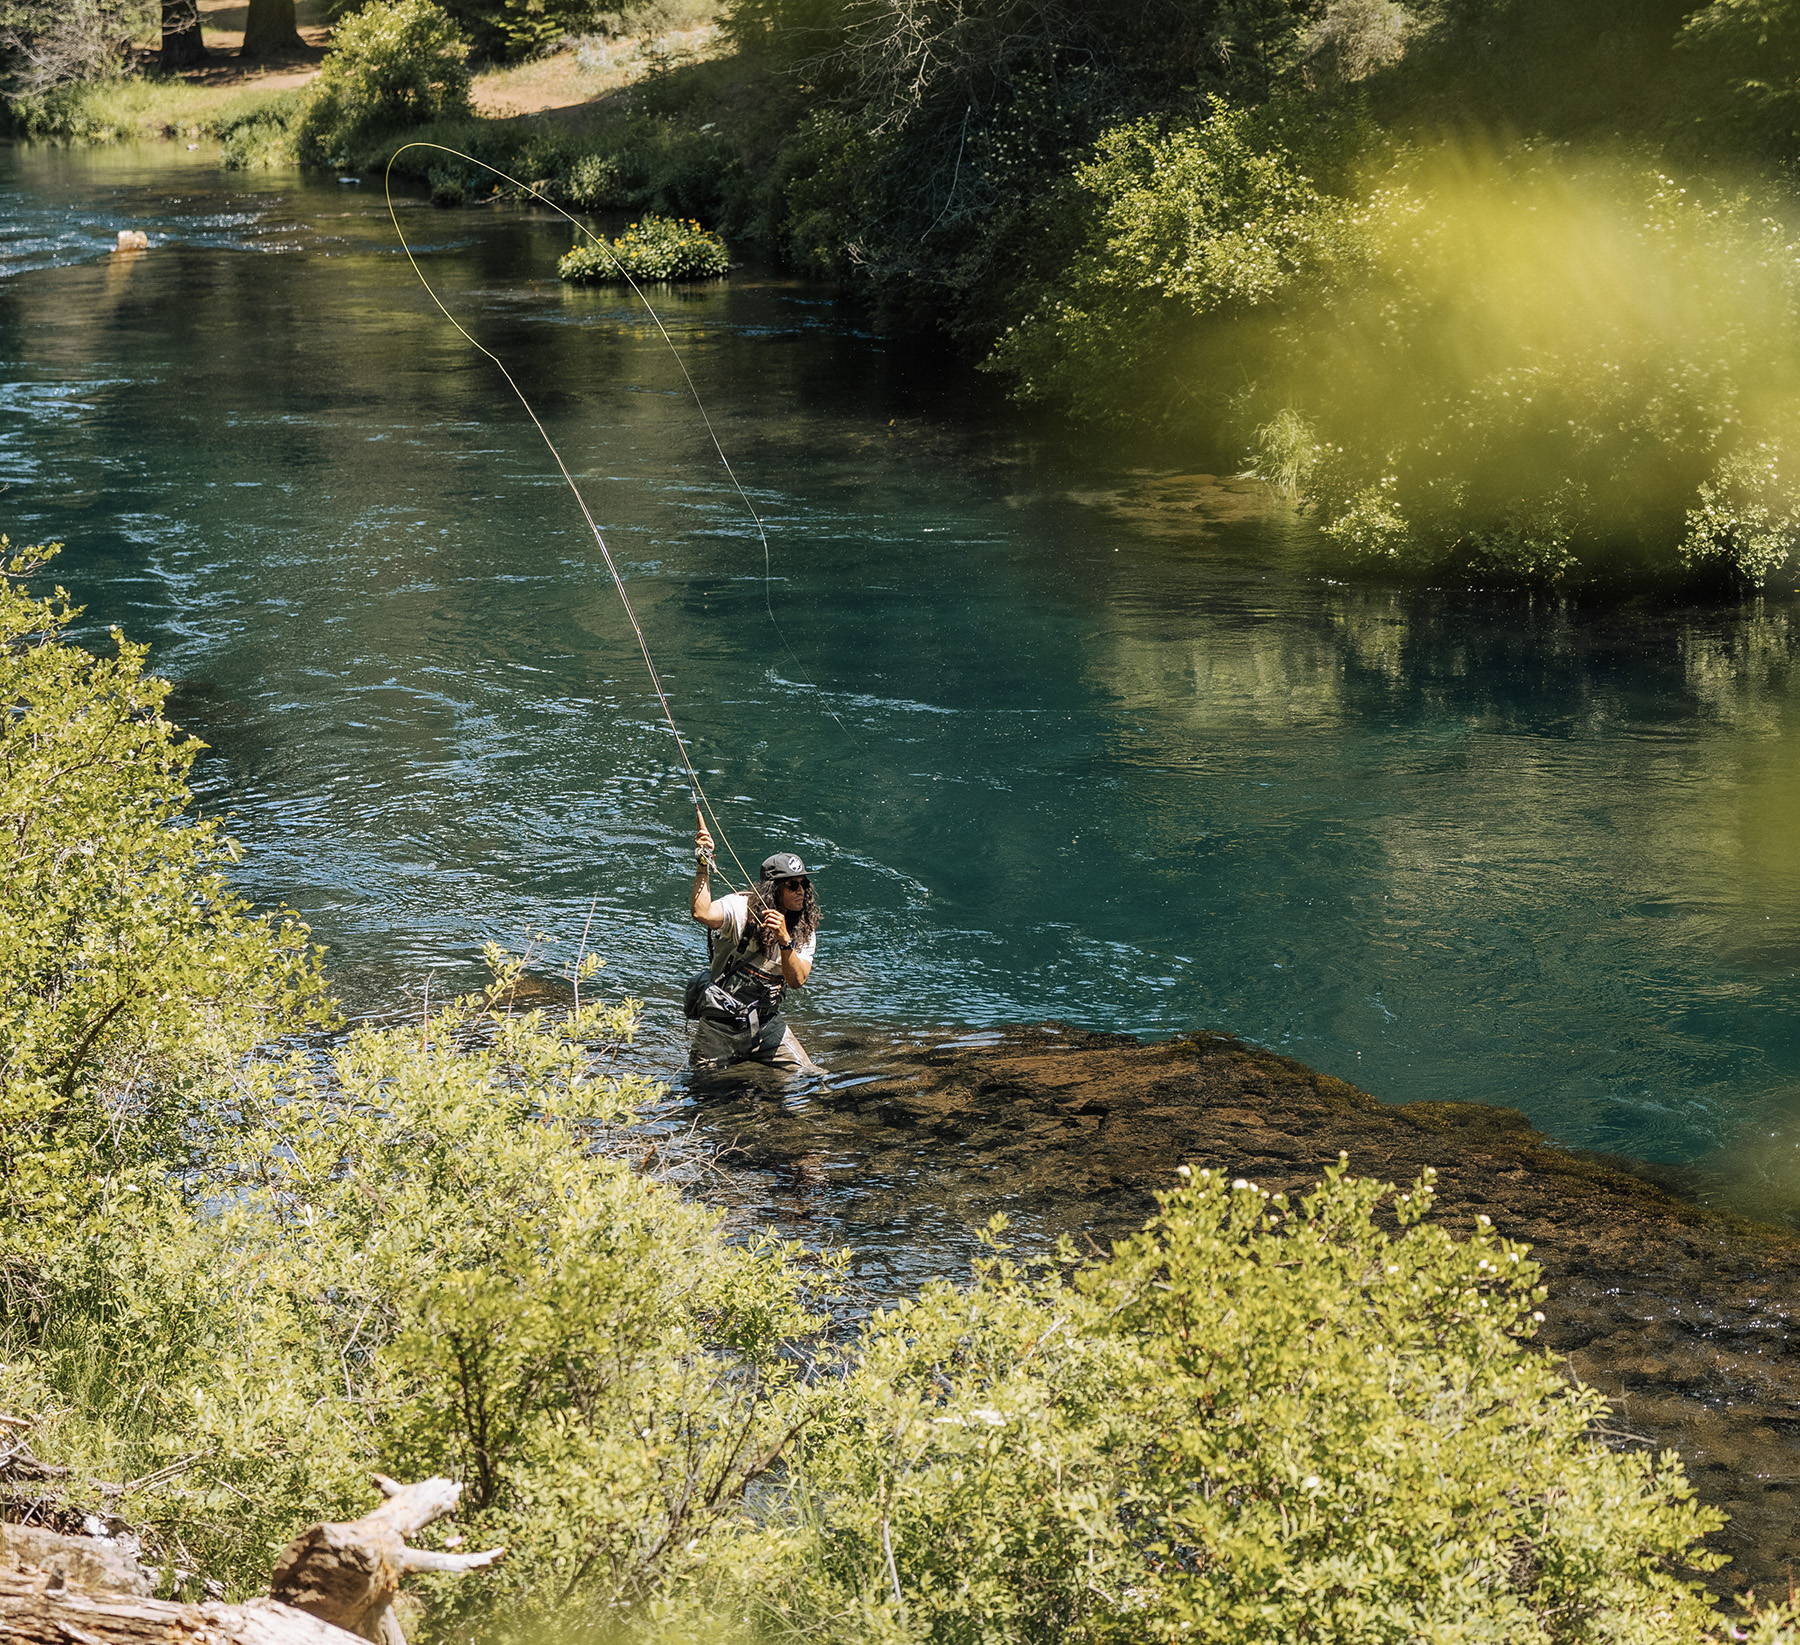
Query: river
[1070,735]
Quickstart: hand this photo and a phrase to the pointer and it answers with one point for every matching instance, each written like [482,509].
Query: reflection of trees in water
[1743,671]
[1522,819]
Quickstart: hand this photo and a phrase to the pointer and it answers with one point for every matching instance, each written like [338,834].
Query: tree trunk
[182,43]
[347,1574]
[270,29]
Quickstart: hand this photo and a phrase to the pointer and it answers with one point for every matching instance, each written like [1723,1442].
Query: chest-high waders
[738,997]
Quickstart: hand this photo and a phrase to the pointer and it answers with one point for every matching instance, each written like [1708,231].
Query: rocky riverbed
[1683,1316]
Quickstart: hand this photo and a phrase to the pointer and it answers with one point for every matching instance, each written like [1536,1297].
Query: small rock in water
[131,239]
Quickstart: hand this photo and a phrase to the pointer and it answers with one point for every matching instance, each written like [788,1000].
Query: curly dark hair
[801,926]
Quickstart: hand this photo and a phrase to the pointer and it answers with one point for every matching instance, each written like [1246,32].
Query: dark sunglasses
[801,880]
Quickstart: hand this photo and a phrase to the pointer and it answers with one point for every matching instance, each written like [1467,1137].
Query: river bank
[1682,1316]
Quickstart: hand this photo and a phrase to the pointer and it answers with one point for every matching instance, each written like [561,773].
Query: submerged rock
[1682,1316]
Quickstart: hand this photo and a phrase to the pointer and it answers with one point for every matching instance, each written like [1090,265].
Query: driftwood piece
[334,1585]
[93,1563]
[37,1608]
[348,1573]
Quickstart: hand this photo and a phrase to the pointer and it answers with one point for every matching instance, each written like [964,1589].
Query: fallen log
[38,1608]
[348,1573]
[333,1585]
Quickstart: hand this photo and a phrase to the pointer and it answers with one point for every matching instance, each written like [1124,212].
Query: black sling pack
[750,1006]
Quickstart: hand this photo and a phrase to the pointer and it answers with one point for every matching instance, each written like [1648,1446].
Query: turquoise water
[1071,738]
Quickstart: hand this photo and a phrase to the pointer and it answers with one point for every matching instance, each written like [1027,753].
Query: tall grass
[130,107]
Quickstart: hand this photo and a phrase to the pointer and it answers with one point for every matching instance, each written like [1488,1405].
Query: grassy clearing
[134,109]
[590,69]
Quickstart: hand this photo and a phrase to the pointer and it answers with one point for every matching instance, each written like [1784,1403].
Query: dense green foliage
[1516,366]
[1257,1421]
[49,49]
[235,1283]
[406,1255]
[506,30]
[1244,227]
[658,248]
[132,972]
[392,65]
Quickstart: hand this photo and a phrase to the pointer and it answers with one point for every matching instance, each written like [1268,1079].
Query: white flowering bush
[1258,1421]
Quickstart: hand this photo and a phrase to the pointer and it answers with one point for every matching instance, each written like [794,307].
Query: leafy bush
[658,248]
[132,972]
[408,1255]
[49,47]
[1746,57]
[506,31]
[1514,365]
[1188,228]
[394,64]
[592,181]
[1257,1421]
[263,138]
[1541,371]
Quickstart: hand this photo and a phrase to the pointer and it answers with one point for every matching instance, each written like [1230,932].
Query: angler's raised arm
[709,913]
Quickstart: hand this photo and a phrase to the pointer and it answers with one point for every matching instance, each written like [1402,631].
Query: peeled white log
[334,1584]
[348,1573]
[37,1608]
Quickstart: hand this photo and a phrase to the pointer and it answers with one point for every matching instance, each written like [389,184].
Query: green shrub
[506,31]
[1258,1421]
[1745,60]
[592,182]
[449,185]
[392,65]
[1189,227]
[1512,365]
[658,248]
[131,971]
[49,47]
[409,1256]
[263,138]
[1540,370]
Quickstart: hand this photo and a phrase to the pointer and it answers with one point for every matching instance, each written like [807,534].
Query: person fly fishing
[759,944]
[760,941]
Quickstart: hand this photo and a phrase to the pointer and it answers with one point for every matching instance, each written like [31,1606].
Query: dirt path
[222,28]
[562,80]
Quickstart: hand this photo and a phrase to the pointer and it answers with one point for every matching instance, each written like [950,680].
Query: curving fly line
[701,801]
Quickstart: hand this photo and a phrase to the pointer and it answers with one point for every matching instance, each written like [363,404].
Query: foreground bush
[1258,1421]
[130,973]
[658,248]
[408,1256]
[393,65]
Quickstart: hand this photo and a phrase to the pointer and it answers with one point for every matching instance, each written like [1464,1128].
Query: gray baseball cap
[784,865]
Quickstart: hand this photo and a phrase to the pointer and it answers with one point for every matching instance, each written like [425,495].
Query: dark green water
[1073,739]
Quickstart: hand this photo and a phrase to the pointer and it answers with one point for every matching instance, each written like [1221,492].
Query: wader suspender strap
[739,960]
